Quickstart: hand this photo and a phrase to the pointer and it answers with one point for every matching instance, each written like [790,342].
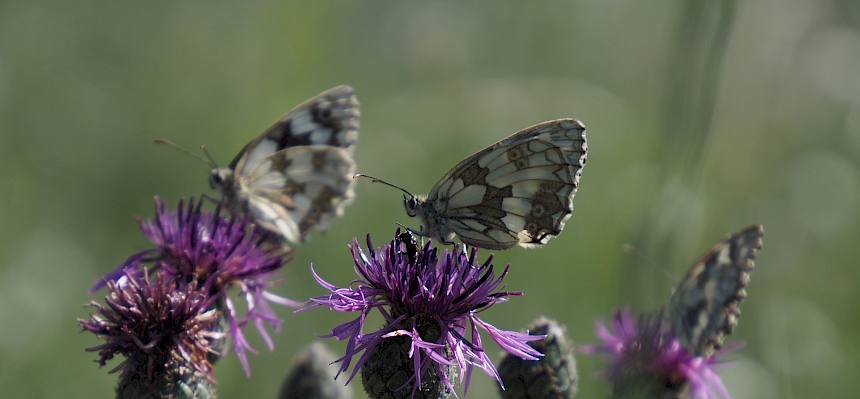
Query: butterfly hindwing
[518,191]
[706,304]
[299,188]
[331,118]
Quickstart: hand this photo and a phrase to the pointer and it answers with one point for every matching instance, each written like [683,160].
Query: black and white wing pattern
[705,306]
[518,191]
[299,188]
[297,175]
[331,118]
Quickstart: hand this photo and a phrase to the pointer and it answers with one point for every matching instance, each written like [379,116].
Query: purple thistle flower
[217,253]
[431,302]
[156,326]
[646,360]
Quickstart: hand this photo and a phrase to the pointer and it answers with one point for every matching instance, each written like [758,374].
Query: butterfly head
[220,178]
[411,204]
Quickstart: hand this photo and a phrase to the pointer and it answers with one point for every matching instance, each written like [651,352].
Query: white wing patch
[468,196]
[270,215]
[260,152]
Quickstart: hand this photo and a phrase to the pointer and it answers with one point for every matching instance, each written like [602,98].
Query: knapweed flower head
[217,253]
[646,360]
[429,302]
[553,376]
[312,377]
[158,328]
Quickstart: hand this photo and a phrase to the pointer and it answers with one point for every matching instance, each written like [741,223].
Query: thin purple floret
[409,288]
[217,253]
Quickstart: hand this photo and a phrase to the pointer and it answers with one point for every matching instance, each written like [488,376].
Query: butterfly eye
[410,203]
[215,180]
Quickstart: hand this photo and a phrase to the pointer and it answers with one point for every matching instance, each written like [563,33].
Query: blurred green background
[703,117]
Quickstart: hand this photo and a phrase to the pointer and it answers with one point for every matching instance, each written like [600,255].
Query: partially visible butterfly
[705,306]
[518,191]
[297,174]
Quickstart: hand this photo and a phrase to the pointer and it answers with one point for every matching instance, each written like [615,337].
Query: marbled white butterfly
[297,174]
[518,191]
[705,306]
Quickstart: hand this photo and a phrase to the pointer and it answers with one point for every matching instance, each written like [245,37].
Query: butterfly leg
[422,234]
[218,203]
[211,199]
[221,203]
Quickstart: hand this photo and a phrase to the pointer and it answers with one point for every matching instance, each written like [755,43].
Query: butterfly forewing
[517,191]
[331,118]
[706,304]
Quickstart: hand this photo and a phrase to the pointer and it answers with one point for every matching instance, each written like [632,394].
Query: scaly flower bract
[552,376]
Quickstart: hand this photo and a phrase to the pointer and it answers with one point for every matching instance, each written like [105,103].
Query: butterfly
[518,191]
[296,175]
[705,306]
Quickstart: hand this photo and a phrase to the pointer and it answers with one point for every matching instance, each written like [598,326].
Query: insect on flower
[650,357]
[430,304]
[297,174]
[705,306]
[647,361]
[518,191]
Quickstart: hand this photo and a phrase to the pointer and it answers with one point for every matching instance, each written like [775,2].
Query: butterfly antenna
[212,162]
[184,150]
[377,180]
